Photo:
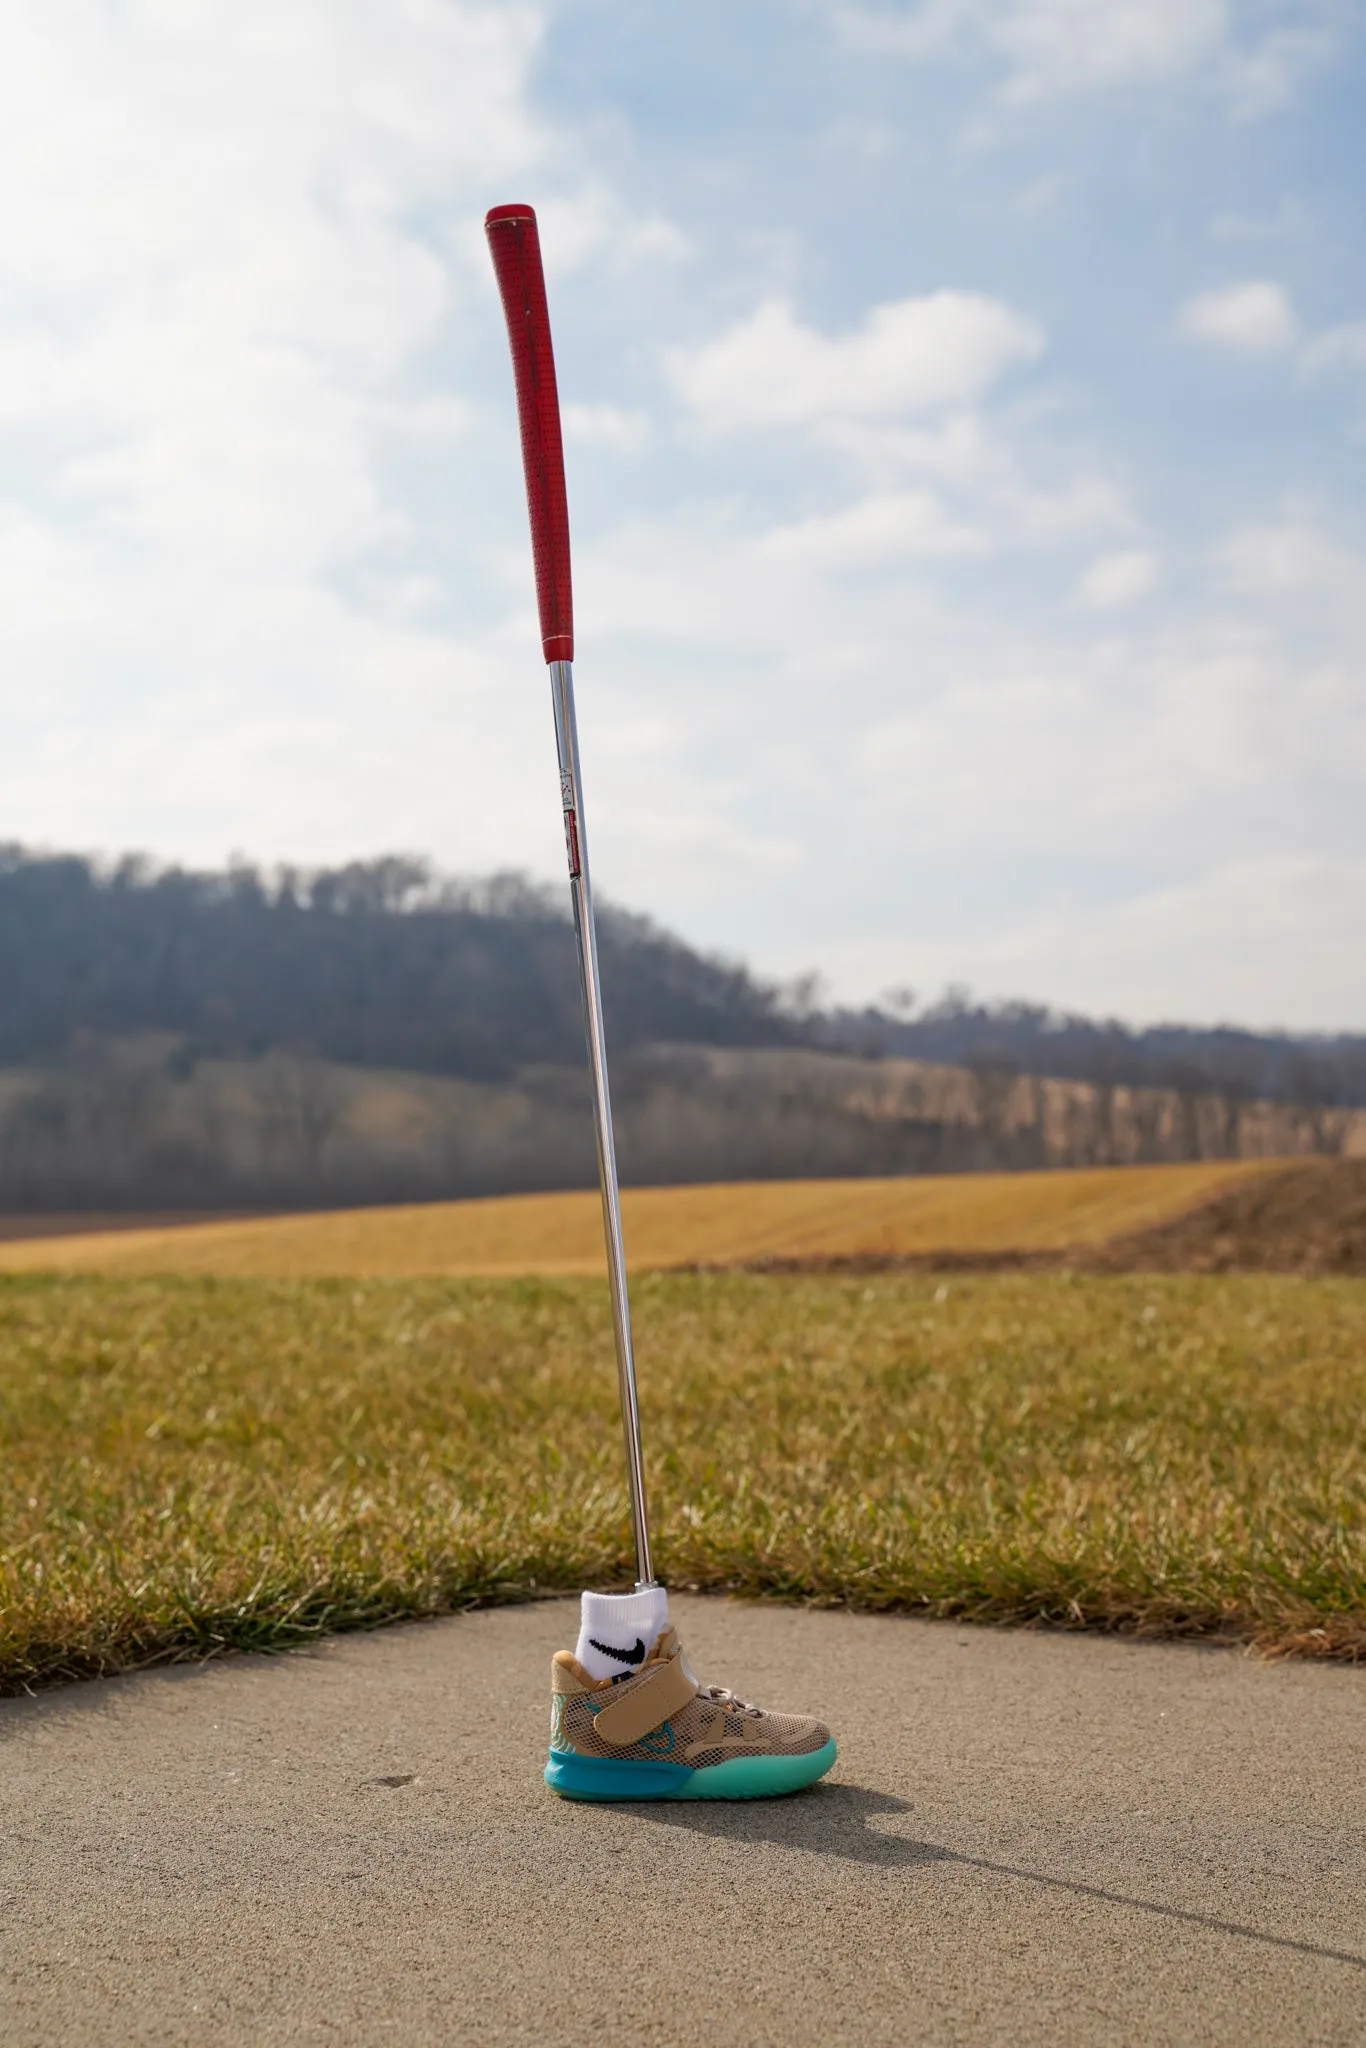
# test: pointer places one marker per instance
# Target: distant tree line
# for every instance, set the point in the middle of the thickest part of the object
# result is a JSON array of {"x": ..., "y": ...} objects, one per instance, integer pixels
[
  {"x": 1003, "y": 1039},
  {"x": 380, "y": 963}
]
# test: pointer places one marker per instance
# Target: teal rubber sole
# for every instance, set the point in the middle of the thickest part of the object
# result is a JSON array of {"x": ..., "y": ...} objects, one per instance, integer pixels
[{"x": 739, "y": 1777}]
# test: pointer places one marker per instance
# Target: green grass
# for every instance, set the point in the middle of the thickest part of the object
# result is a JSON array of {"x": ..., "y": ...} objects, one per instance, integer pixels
[{"x": 191, "y": 1466}]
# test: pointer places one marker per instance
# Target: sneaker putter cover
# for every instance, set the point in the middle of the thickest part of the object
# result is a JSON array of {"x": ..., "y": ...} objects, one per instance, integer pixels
[{"x": 657, "y": 1734}]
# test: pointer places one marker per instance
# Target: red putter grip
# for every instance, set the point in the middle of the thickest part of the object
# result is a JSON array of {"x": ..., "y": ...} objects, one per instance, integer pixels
[{"x": 516, "y": 249}]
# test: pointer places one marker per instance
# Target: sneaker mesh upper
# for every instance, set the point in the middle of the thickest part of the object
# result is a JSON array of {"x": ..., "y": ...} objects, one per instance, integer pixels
[{"x": 760, "y": 1733}]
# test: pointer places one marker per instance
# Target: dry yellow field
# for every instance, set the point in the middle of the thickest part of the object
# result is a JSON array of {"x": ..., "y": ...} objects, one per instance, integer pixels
[{"x": 562, "y": 1234}]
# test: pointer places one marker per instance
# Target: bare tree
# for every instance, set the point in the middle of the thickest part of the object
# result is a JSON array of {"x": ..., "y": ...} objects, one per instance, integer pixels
[
  {"x": 993, "y": 1085},
  {"x": 1310, "y": 1085},
  {"x": 304, "y": 1100}
]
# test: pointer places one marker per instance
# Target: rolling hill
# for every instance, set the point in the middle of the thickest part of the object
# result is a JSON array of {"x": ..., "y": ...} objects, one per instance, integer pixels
[{"x": 983, "y": 1218}]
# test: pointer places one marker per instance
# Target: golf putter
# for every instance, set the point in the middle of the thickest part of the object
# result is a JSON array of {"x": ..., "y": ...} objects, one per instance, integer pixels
[{"x": 516, "y": 249}]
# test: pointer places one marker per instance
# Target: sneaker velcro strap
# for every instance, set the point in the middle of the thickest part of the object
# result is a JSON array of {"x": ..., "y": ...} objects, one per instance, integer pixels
[{"x": 645, "y": 1704}]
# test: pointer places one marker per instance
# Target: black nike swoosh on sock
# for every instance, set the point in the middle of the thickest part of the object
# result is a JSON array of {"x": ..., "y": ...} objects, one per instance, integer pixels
[{"x": 632, "y": 1656}]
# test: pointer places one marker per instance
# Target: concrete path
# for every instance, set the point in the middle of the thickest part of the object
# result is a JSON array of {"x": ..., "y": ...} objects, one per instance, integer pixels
[{"x": 1027, "y": 1839}]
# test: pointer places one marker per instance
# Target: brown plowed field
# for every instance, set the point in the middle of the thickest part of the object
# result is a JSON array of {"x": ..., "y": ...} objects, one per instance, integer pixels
[{"x": 1305, "y": 1219}]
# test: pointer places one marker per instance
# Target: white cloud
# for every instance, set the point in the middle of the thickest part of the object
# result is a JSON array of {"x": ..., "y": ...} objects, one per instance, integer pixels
[
  {"x": 1337, "y": 348},
  {"x": 1266, "y": 75},
  {"x": 842, "y": 704},
  {"x": 1118, "y": 579},
  {"x": 589, "y": 221},
  {"x": 1255, "y": 941},
  {"x": 871, "y": 532},
  {"x": 1295, "y": 558},
  {"x": 1222, "y": 752},
  {"x": 605, "y": 426},
  {"x": 212, "y": 276},
  {"x": 1009, "y": 489},
  {"x": 1201, "y": 948},
  {"x": 1256, "y": 55},
  {"x": 222, "y": 280},
  {"x": 1057, "y": 47},
  {"x": 913, "y": 355},
  {"x": 1054, "y": 47},
  {"x": 1242, "y": 726},
  {"x": 755, "y": 588},
  {"x": 1255, "y": 318}
]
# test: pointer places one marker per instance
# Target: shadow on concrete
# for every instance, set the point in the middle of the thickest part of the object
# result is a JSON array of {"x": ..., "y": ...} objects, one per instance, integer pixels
[{"x": 843, "y": 1820}]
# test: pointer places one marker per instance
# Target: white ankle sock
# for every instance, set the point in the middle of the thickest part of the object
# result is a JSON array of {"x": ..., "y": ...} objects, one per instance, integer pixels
[{"x": 626, "y": 1624}]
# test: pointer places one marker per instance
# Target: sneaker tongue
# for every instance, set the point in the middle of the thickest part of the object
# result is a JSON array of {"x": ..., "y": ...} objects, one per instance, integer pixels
[{"x": 667, "y": 1646}]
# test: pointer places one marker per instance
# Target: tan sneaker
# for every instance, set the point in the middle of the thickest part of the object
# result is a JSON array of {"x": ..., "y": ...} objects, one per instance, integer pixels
[{"x": 657, "y": 1734}]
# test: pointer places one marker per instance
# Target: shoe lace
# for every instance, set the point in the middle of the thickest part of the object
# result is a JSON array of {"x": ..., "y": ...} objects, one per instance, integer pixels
[{"x": 722, "y": 1696}]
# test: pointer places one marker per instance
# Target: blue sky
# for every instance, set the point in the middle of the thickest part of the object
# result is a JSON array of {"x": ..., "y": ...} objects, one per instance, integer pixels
[{"x": 965, "y": 405}]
